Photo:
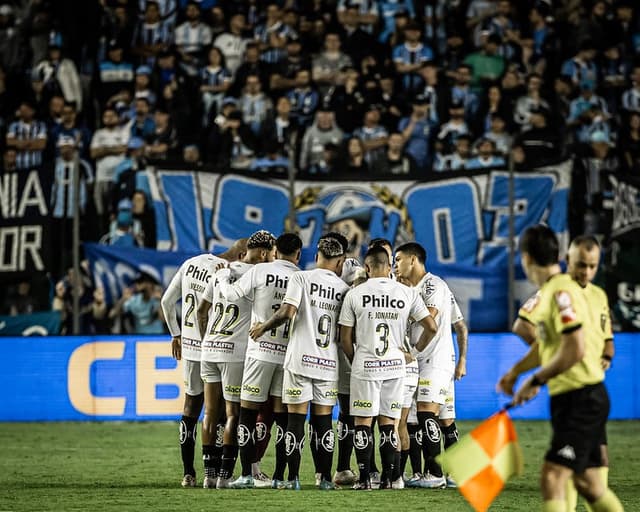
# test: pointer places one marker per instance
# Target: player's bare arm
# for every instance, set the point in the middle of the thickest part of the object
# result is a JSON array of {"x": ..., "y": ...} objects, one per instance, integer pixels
[
  {"x": 284, "y": 313},
  {"x": 203, "y": 315},
  {"x": 176, "y": 347},
  {"x": 429, "y": 330},
  {"x": 571, "y": 351},
  {"x": 462, "y": 337},
  {"x": 346, "y": 341}
]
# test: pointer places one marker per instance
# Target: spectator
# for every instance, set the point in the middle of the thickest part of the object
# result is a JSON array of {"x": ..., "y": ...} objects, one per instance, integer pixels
[
  {"x": 631, "y": 97},
  {"x": 540, "y": 144},
  {"x": 232, "y": 144},
  {"x": 63, "y": 198},
  {"x": 356, "y": 42},
  {"x": 321, "y": 132},
  {"x": 581, "y": 66},
  {"x": 630, "y": 141},
  {"x": 453, "y": 128},
  {"x": 215, "y": 80},
  {"x": 69, "y": 127},
  {"x": 191, "y": 39},
  {"x": 254, "y": 104},
  {"x": 251, "y": 65},
  {"x": 273, "y": 160},
  {"x": 348, "y": 102},
  {"x": 28, "y": 136},
  {"x": 486, "y": 157},
  {"x": 503, "y": 24},
  {"x": 328, "y": 66},
  {"x": 418, "y": 131},
  {"x": 122, "y": 236},
  {"x": 13, "y": 47},
  {"x": 373, "y": 135},
  {"x": 143, "y": 304},
  {"x": 581, "y": 110},
  {"x": 493, "y": 104},
  {"x": 233, "y": 44},
  {"x": 304, "y": 100},
  {"x": 531, "y": 101},
  {"x": 128, "y": 175},
  {"x": 19, "y": 300},
  {"x": 108, "y": 148},
  {"x": 272, "y": 25},
  {"x": 191, "y": 156},
  {"x": 388, "y": 11},
  {"x": 367, "y": 13},
  {"x": 394, "y": 162},
  {"x": 162, "y": 145},
  {"x": 59, "y": 74},
  {"x": 284, "y": 74},
  {"x": 151, "y": 35},
  {"x": 393, "y": 104},
  {"x": 487, "y": 64},
  {"x": 613, "y": 81},
  {"x": 478, "y": 12},
  {"x": 461, "y": 92},
  {"x": 280, "y": 129},
  {"x": 409, "y": 57},
  {"x": 142, "y": 86},
  {"x": 456, "y": 160},
  {"x": 142, "y": 125},
  {"x": 436, "y": 92},
  {"x": 329, "y": 163},
  {"x": 498, "y": 134},
  {"x": 9, "y": 160},
  {"x": 355, "y": 161},
  {"x": 144, "y": 220},
  {"x": 115, "y": 75}
]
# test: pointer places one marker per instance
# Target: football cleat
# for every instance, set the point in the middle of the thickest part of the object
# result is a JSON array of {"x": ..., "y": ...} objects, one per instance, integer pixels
[
  {"x": 318, "y": 479},
  {"x": 188, "y": 481},
  {"x": 261, "y": 481},
  {"x": 398, "y": 484},
  {"x": 451, "y": 483},
  {"x": 362, "y": 486},
  {"x": 244, "y": 482},
  {"x": 293, "y": 485},
  {"x": 326, "y": 485},
  {"x": 429, "y": 481},
  {"x": 223, "y": 483},
  {"x": 384, "y": 484},
  {"x": 346, "y": 477},
  {"x": 209, "y": 482},
  {"x": 413, "y": 481},
  {"x": 375, "y": 480},
  {"x": 278, "y": 484}
]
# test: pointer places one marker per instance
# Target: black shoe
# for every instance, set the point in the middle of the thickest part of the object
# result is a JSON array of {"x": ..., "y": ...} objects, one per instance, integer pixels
[
  {"x": 385, "y": 484},
  {"x": 362, "y": 486}
]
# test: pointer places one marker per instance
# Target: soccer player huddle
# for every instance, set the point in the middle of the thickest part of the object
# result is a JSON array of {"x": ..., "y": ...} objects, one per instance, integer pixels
[{"x": 264, "y": 342}]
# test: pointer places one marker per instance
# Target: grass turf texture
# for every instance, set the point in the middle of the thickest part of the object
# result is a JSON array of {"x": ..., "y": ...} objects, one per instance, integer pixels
[{"x": 136, "y": 466}]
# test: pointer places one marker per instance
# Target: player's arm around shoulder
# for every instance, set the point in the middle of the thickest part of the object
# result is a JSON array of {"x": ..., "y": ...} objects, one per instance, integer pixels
[{"x": 420, "y": 313}]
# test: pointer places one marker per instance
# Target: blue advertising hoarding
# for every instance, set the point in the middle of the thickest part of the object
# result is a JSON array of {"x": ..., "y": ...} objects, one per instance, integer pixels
[{"x": 134, "y": 378}]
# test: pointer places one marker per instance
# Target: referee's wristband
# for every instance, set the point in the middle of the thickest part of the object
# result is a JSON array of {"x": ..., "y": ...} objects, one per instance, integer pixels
[
  {"x": 607, "y": 357},
  {"x": 535, "y": 381}
]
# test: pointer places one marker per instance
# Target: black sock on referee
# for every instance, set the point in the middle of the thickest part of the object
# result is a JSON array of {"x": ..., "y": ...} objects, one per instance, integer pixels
[
  {"x": 325, "y": 443},
  {"x": 294, "y": 440},
  {"x": 450, "y": 434},
  {"x": 345, "y": 441},
  {"x": 430, "y": 441},
  {"x": 281, "y": 446},
  {"x": 415, "y": 447},
  {"x": 188, "y": 432},
  {"x": 363, "y": 445},
  {"x": 246, "y": 438},
  {"x": 388, "y": 450}
]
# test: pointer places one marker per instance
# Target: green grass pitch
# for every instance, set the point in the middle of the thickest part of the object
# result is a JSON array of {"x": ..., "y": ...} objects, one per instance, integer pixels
[{"x": 136, "y": 467}]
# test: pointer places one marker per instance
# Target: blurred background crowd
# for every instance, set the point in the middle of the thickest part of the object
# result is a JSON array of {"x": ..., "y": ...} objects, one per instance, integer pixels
[{"x": 362, "y": 88}]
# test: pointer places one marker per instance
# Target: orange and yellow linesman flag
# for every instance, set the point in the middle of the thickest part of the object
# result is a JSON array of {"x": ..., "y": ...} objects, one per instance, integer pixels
[{"x": 483, "y": 460}]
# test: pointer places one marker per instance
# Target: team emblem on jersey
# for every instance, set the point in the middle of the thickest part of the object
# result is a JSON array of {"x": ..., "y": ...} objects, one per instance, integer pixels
[
  {"x": 433, "y": 430},
  {"x": 565, "y": 306},
  {"x": 261, "y": 431},
  {"x": 243, "y": 435},
  {"x": 360, "y": 440},
  {"x": 328, "y": 441}
]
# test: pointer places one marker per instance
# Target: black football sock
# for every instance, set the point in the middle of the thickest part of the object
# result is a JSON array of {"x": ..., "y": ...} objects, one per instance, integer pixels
[
  {"x": 372, "y": 463},
  {"x": 216, "y": 455},
  {"x": 325, "y": 439},
  {"x": 210, "y": 460},
  {"x": 397, "y": 469},
  {"x": 313, "y": 443},
  {"x": 388, "y": 449},
  {"x": 281, "y": 446},
  {"x": 229, "y": 456},
  {"x": 363, "y": 446},
  {"x": 345, "y": 441},
  {"x": 188, "y": 433},
  {"x": 246, "y": 438},
  {"x": 404, "y": 456},
  {"x": 294, "y": 442},
  {"x": 450, "y": 434},
  {"x": 430, "y": 441},
  {"x": 415, "y": 447}
]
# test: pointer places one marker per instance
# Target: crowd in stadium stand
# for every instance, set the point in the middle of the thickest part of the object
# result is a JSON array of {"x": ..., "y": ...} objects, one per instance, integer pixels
[{"x": 367, "y": 88}]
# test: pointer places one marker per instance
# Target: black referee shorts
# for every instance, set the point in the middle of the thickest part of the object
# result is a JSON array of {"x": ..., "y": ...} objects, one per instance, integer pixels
[{"x": 578, "y": 419}]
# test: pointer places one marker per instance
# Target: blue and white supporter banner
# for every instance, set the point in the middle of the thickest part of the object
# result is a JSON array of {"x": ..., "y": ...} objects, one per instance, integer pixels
[{"x": 45, "y": 323}]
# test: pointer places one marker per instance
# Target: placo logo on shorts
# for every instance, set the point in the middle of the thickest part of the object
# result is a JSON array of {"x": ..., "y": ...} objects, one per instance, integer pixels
[
  {"x": 362, "y": 404},
  {"x": 396, "y": 406},
  {"x": 293, "y": 391},
  {"x": 232, "y": 390},
  {"x": 332, "y": 393},
  {"x": 252, "y": 390},
  {"x": 424, "y": 382}
]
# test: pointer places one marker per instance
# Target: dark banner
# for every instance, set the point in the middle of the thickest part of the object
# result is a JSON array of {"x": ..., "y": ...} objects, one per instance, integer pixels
[
  {"x": 25, "y": 236},
  {"x": 46, "y": 323},
  {"x": 622, "y": 270}
]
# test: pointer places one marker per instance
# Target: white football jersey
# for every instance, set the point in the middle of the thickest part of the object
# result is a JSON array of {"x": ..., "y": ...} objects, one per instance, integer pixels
[
  {"x": 313, "y": 344},
  {"x": 440, "y": 352},
  {"x": 228, "y": 326},
  {"x": 189, "y": 284},
  {"x": 380, "y": 309},
  {"x": 264, "y": 285}
]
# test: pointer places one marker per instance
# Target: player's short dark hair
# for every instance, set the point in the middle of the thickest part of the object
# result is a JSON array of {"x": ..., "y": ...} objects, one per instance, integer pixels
[
  {"x": 377, "y": 257},
  {"x": 380, "y": 242},
  {"x": 330, "y": 247},
  {"x": 414, "y": 249},
  {"x": 288, "y": 244},
  {"x": 339, "y": 237},
  {"x": 261, "y": 240},
  {"x": 541, "y": 243},
  {"x": 586, "y": 241}
]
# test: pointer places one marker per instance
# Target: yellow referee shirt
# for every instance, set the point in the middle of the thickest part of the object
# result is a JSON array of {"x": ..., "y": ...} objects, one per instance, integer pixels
[{"x": 559, "y": 307}]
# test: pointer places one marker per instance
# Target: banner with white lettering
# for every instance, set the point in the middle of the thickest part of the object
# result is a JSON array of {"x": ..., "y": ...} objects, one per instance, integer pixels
[
  {"x": 24, "y": 223},
  {"x": 45, "y": 323},
  {"x": 622, "y": 272}
]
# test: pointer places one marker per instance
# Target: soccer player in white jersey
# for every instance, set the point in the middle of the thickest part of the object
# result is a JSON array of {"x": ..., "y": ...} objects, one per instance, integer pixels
[
  {"x": 312, "y": 303},
  {"x": 188, "y": 284},
  {"x": 264, "y": 285},
  {"x": 225, "y": 327},
  {"x": 374, "y": 317},
  {"x": 437, "y": 363}
]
